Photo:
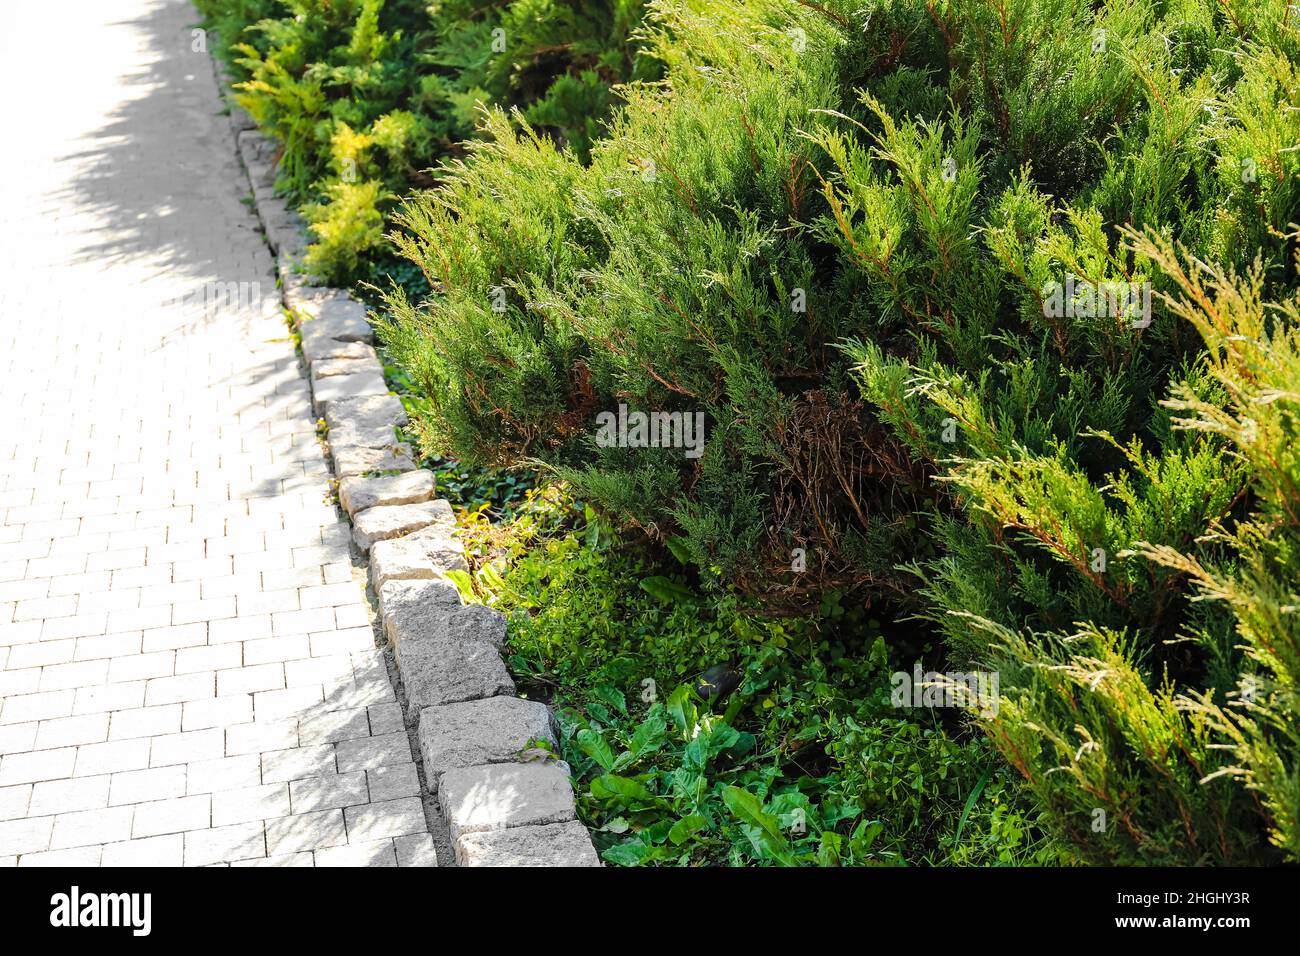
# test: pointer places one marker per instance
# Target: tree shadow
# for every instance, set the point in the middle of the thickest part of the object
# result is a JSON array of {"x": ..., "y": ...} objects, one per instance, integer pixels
[{"x": 160, "y": 181}]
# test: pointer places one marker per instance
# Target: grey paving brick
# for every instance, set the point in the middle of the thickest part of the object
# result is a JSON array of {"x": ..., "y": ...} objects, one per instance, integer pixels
[{"x": 181, "y": 634}]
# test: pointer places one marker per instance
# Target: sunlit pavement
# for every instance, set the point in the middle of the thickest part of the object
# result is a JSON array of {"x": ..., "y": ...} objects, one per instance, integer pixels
[{"x": 188, "y": 671}]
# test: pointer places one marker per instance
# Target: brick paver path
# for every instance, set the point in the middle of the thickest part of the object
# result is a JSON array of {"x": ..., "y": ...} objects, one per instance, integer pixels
[{"x": 188, "y": 671}]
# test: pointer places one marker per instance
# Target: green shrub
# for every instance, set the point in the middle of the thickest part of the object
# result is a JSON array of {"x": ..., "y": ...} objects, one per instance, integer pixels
[
  {"x": 1253, "y": 353},
  {"x": 1066, "y": 475},
  {"x": 555, "y": 60},
  {"x": 228, "y": 19},
  {"x": 663, "y": 276},
  {"x": 365, "y": 95},
  {"x": 345, "y": 225},
  {"x": 931, "y": 425},
  {"x": 668, "y": 275}
]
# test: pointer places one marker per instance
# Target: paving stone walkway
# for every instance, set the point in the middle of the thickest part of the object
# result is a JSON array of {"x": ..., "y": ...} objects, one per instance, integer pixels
[{"x": 188, "y": 669}]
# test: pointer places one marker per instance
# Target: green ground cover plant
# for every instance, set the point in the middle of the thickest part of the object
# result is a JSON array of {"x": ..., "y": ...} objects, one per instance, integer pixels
[{"x": 700, "y": 734}]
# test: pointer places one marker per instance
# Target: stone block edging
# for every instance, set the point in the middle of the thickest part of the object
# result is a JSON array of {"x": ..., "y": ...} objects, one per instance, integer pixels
[{"x": 480, "y": 744}]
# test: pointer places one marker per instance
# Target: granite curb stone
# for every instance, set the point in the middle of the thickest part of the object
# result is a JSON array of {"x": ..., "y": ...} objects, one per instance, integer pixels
[
  {"x": 554, "y": 844},
  {"x": 500, "y": 796},
  {"x": 475, "y": 732},
  {"x": 423, "y": 554},
  {"x": 391, "y": 521},
  {"x": 351, "y": 461},
  {"x": 448, "y": 671},
  {"x": 358, "y": 494}
]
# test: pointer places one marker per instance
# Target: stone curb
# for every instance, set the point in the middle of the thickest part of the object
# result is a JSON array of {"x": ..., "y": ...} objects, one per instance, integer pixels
[{"x": 478, "y": 741}]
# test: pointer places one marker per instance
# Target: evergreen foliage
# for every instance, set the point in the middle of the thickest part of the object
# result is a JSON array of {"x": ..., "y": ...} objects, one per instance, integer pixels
[
  {"x": 366, "y": 95},
  {"x": 1253, "y": 352},
  {"x": 842, "y": 233}
]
